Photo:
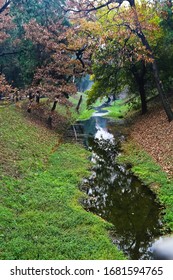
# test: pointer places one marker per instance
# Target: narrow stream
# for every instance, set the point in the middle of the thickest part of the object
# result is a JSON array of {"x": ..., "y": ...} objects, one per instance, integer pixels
[{"x": 114, "y": 193}]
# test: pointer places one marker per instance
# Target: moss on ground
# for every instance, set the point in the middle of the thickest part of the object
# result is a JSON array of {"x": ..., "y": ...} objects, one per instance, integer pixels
[
  {"x": 146, "y": 169},
  {"x": 41, "y": 217}
]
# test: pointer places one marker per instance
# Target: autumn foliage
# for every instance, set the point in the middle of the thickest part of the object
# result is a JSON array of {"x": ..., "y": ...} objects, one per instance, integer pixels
[
  {"x": 60, "y": 43},
  {"x": 5, "y": 88}
]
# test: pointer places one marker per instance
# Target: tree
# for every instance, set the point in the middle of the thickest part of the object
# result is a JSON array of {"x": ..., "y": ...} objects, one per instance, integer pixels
[
  {"x": 19, "y": 60},
  {"x": 119, "y": 57},
  {"x": 43, "y": 11},
  {"x": 57, "y": 71},
  {"x": 85, "y": 7},
  {"x": 62, "y": 62},
  {"x": 6, "y": 26},
  {"x": 5, "y": 88},
  {"x": 47, "y": 59}
]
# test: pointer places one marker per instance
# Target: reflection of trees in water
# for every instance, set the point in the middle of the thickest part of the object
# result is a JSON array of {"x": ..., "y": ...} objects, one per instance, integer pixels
[
  {"x": 90, "y": 127},
  {"x": 117, "y": 196}
]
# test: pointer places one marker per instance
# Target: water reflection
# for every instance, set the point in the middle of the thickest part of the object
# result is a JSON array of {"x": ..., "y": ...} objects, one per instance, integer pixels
[
  {"x": 162, "y": 248},
  {"x": 117, "y": 196}
]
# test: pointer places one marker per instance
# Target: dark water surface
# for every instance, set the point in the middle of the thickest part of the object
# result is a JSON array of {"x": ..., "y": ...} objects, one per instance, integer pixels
[{"x": 115, "y": 194}]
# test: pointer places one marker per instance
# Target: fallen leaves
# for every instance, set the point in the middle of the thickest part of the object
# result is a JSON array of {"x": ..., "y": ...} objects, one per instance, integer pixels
[{"x": 155, "y": 134}]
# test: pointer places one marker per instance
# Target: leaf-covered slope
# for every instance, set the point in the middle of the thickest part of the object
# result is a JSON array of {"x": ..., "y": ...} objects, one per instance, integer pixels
[{"x": 155, "y": 134}]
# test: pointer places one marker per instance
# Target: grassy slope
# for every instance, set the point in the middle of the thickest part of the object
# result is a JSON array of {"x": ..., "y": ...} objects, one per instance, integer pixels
[
  {"x": 84, "y": 113},
  {"x": 143, "y": 165},
  {"x": 41, "y": 217},
  {"x": 146, "y": 169},
  {"x": 118, "y": 109}
]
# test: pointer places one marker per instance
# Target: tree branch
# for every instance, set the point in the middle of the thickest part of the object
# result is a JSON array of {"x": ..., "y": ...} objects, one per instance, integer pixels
[
  {"x": 7, "y": 3},
  {"x": 95, "y": 8},
  {"x": 79, "y": 54},
  {"x": 11, "y": 53}
]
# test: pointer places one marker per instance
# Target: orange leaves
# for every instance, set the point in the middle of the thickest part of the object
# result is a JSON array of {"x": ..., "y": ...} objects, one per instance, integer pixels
[
  {"x": 5, "y": 88},
  {"x": 6, "y": 24},
  {"x": 155, "y": 134},
  {"x": 141, "y": 53},
  {"x": 55, "y": 77},
  {"x": 36, "y": 33},
  {"x": 88, "y": 27}
]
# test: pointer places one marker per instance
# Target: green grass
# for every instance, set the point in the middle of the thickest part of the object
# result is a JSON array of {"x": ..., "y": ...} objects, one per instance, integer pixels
[
  {"x": 71, "y": 113},
  {"x": 41, "y": 217},
  {"x": 145, "y": 168},
  {"x": 84, "y": 112},
  {"x": 118, "y": 109}
]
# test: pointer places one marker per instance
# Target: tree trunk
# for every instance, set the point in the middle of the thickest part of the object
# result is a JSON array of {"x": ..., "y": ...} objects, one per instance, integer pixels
[
  {"x": 138, "y": 31},
  {"x": 37, "y": 98},
  {"x": 160, "y": 89},
  {"x": 79, "y": 103},
  {"x": 139, "y": 75},
  {"x": 49, "y": 121},
  {"x": 29, "y": 107},
  {"x": 143, "y": 98},
  {"x": 54, "y": 106},
  {"x": 162, "y": 93}
]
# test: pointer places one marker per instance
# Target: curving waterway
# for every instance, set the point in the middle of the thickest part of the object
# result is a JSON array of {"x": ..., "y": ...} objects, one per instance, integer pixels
[{"x": 114, "y": 193}]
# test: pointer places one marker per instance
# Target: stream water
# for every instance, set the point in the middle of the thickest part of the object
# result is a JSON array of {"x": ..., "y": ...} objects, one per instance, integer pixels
[{"x": 114, "y": 193}]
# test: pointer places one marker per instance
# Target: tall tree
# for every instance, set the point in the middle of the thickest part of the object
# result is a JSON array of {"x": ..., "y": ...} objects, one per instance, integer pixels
[
  {"x": 19, "y": 61},
  {"x": 85, "y": 7},
  {"x": 6, "y": 26}
]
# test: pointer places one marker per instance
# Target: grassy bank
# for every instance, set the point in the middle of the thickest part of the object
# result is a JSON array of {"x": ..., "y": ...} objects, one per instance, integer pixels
[
  {"x": 84, "y": 112},
  {"x": 145, "y": 168},
  {"x": 148, "y": 133},
  {"x": 118, "y": 109},
  {"x": 41, "y": 217}
]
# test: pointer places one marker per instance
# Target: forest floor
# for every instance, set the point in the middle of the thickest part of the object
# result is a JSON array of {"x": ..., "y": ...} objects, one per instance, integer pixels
[{"x": 154, "y": 133}]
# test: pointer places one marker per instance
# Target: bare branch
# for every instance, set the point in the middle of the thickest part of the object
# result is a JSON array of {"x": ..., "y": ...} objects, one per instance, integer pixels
[{"x": 91, "y": 7}]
